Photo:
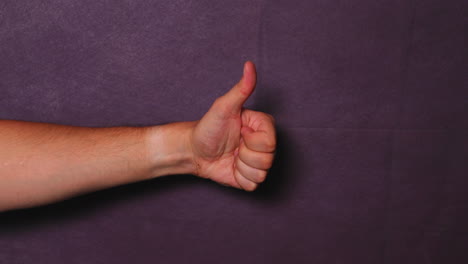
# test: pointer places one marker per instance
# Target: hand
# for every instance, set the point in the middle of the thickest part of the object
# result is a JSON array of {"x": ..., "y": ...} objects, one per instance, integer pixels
[{"x": 232, "y": 145}]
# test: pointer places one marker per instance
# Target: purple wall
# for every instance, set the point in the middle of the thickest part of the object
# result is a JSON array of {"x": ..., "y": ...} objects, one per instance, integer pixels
[{"x": 370, "y": 97}]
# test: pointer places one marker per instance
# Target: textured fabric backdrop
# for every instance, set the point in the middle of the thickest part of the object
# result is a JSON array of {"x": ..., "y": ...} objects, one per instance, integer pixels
[{"x": 371, "y": 102}]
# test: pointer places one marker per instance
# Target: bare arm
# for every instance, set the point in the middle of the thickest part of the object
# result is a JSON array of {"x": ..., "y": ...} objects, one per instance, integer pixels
[{"x": 42, "y": 163}]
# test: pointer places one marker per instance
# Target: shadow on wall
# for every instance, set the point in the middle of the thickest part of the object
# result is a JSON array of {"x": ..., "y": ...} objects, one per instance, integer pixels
[
  {"x": 278, "y": 186},
  {"x": 281, "y": 177},
  {"x": 22, "y": 220}
]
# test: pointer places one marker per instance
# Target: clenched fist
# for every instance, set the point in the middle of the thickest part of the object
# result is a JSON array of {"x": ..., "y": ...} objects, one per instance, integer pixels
[{"x": 232, "y": 145}]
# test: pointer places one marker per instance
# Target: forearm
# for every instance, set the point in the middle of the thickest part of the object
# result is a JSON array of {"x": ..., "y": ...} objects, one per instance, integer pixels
[{"x": 42, "y": 163}]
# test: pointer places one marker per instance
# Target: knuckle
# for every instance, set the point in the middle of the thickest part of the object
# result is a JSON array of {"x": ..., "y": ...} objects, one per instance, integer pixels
[
  {"x": 269, "y": 117},
  {"x": 261, "y": 176},
  {"x": 272, "y": 119},
  {"x": 266, "y": 162},
  {"x": 270, "y": 144},
  {"x": 251, "y": 187}
]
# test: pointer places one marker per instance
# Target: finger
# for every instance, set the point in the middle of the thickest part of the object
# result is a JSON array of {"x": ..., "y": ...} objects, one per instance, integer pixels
[
  {"x": 244, "y": 183},
  {"x": 258, "y": 160},
  {"x": 235, "y": 98},
  {"x": 260, "y": 141},
  {"x": 258, "y": 120},
  {"x": 250, "y": 173}
]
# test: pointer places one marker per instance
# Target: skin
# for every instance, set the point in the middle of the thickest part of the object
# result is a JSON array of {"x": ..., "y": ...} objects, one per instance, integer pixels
[{"x": 43, "y": 163}]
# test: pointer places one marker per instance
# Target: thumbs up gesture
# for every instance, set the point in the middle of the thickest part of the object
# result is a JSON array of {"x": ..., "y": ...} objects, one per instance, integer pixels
[{"x": 232, "y": 145}]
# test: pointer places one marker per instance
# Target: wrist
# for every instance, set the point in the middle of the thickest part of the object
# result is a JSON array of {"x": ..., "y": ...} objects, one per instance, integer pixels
[{"x": 170, "y": 149}]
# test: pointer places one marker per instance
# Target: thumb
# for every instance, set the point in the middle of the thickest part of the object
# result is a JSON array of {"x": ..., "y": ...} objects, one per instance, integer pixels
[{"x": 236, "y": 97}]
